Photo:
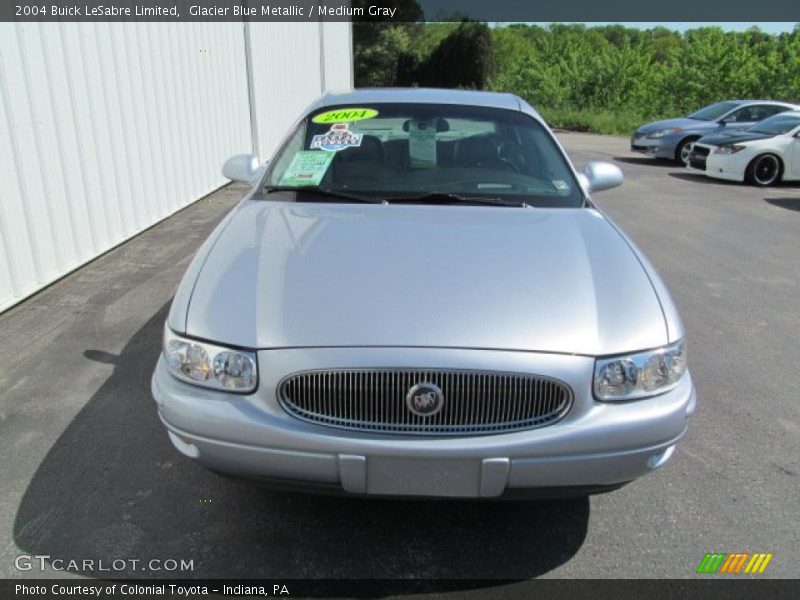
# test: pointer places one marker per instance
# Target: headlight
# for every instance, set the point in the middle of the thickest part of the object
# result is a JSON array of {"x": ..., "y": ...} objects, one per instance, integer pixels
[
  {"x": 729, "y": 149},
  {"x": 639, "y": 375},
  {"x": 210, "y": 365},
  {"x": 662, "y": 132}
]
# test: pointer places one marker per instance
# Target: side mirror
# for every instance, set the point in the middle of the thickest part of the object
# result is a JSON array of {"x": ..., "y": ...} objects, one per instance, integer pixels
[
  {"x": 602, "y": 176},
  {"x": 242, "y": 168}
]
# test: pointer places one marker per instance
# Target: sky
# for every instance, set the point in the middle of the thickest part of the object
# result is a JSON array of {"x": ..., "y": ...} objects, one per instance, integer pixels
[{"x": 770, "y": 27}]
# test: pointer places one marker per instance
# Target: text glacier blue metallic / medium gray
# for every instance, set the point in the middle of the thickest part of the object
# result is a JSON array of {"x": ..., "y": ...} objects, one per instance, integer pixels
[{"x": 434, "y": 308}]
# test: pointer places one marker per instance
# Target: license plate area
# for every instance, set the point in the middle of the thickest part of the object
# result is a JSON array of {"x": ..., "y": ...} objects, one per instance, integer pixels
[{"x": 423, "y": 476}]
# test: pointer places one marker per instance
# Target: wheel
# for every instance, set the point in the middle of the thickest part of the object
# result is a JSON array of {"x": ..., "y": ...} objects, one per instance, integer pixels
[
  {"x": 764, "y": 170},
  {"x": 683, "y": 150}
]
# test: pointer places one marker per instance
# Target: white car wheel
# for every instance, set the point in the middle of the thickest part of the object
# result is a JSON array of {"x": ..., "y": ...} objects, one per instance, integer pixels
[{"x": 764, "y": 170}]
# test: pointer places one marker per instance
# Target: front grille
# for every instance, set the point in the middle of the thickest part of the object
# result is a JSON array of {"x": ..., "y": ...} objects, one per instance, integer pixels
[
  {"x": 697, "y": 163},
  {"x": 697, "y": 157},
  {"x": 471, "y": 401}
]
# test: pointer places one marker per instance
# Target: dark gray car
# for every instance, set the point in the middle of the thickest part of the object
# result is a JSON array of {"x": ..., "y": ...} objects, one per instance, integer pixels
[{"x": 672, "y": 138}]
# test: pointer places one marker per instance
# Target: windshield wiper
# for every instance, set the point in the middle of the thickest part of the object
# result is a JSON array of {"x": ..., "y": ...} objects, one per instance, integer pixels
[
  {"x": 432, "y": 197},
  {"x": 320, "y": 191},
  {"x": 447, "y": 197}
]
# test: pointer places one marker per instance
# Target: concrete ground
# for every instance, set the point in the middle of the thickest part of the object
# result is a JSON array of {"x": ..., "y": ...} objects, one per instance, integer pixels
[{"x": 88, "y": 473}]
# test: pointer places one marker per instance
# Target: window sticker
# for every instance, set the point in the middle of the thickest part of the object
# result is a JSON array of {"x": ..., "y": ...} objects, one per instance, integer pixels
[
  {"x": 345, "y": 115},
  {"x": 337, "y": 138},
  {"x": 561, "y": 185},
  {"x": 422, "y": 144},
  {"x": 308, "y": 167}
]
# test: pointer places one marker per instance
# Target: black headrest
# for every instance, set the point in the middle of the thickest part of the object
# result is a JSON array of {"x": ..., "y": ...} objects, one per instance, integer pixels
[{"x": 370, "y": 150}]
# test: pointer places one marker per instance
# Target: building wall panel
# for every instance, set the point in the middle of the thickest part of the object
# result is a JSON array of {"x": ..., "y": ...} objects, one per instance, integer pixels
[
  {"x": 292, "y": 64},
  {"x": 338, "y": 55},
  {"x": 107, "y": 128}
]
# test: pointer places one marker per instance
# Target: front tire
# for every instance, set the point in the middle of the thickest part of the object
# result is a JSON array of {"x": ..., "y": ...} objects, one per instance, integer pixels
[
  {"x": 683, "y": 150},
  {"x": 764, "y": 170}
]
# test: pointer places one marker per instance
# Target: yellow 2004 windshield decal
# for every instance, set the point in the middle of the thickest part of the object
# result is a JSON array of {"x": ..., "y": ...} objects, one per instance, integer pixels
[{"x": 345, "y": 115}]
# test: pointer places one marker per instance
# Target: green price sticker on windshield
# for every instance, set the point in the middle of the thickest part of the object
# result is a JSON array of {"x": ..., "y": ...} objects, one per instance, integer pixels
[{"x": 345, "y": 115}]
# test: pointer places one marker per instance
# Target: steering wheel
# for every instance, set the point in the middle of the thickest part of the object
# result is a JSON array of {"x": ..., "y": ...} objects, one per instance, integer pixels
[
  {"x": 503, "y": 159},
  {"x": 491, "y": 163}
]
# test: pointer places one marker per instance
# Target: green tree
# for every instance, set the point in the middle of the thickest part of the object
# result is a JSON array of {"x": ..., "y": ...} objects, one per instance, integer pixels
[
  {"x": 606, "y": 79},
  {"x": 377, "y": 45}
]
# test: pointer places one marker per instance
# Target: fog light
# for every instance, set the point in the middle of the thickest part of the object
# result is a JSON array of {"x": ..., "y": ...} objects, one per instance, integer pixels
[
  {"x": 658, "y": 460},
  {"x": 184, "y": 446}
]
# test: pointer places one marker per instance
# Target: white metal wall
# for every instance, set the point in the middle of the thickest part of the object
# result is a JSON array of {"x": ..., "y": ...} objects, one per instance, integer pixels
[
  {"x": 287, "y": 75},
  {"x": 107, "y": 128},
  {"x": 338, "y": 55}
]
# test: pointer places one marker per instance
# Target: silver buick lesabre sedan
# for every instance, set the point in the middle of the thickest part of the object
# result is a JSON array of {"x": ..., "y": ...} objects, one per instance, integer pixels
[{"x": 419, "y": 298}]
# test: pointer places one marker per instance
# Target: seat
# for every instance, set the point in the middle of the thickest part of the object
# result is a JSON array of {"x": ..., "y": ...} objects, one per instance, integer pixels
[
  {"x": 366, "y": 160},
  {"x": 474, "y": 151},
  {"x": 744, "y": 116}
]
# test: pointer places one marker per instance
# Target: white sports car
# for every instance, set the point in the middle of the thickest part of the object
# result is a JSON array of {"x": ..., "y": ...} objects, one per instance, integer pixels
[{"x": 764, "y": 154}]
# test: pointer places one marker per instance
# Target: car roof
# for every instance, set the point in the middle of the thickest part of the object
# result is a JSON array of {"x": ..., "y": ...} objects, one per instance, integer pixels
[
  {"x": 425, "y": 96},
  {"x": 748, "y": 102}
]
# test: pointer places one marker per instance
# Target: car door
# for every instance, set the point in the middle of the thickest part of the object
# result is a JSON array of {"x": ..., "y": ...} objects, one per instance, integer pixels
[{"x": 794, "y": 155}]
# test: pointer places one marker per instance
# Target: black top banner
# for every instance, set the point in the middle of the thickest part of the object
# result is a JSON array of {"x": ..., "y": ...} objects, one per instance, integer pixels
[{"x": 399, "y": 10}]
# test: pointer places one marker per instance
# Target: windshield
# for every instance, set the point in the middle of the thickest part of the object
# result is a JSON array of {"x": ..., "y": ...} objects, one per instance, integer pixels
[
  {"x": 714, "y": 111},
  {"x": 777, "y": 125},
  {"x": 425, "y": 151}
]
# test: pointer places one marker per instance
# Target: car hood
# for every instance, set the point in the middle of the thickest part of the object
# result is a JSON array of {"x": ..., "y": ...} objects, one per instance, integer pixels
[
  {"x": 733, "y": 138},
  {"x": 682, "y": 122},
  {"x": 285, "y": 274}
]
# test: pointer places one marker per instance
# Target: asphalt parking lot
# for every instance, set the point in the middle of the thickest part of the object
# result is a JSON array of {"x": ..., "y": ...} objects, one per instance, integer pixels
[{"x": 88, "y": 471}]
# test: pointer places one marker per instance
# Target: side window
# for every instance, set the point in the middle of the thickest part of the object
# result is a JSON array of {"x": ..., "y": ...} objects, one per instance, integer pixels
[
  {"x": 760, "y": 111},
  {"x": 743, "y": 115},
  {"x": 771, "y": 109},
  {"x": 756, "y": 112}
]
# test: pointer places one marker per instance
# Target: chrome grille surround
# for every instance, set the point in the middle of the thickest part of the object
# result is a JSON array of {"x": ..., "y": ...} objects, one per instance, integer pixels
[{"x": 475, "y": 402}]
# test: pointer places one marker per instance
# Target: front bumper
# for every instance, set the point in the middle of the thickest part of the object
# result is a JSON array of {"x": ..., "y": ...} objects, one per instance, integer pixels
[
  {"x": 596, "y": 446},
  {"x": 724, "y": 166},
  {"x": 657, "y": 147}
]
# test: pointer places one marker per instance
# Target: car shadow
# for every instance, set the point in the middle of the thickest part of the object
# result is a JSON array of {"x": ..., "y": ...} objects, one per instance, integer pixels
[
  {"x": 700, "y": 178},
  {"x": 113, "y": 487},
  {"x": 789, "y": 203},
  {"x": 647, "y": 161}
]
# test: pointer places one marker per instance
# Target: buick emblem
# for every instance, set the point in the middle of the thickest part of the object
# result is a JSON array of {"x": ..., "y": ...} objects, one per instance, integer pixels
[{"x": 425, "y": 399}]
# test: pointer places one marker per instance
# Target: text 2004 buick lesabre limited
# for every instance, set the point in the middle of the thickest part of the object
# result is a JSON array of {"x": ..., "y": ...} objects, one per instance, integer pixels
[{"x": 419, "y": 298}]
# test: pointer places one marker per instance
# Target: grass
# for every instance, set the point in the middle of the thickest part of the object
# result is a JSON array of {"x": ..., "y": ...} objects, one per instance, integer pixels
[{"x": 592, "y": 121}]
